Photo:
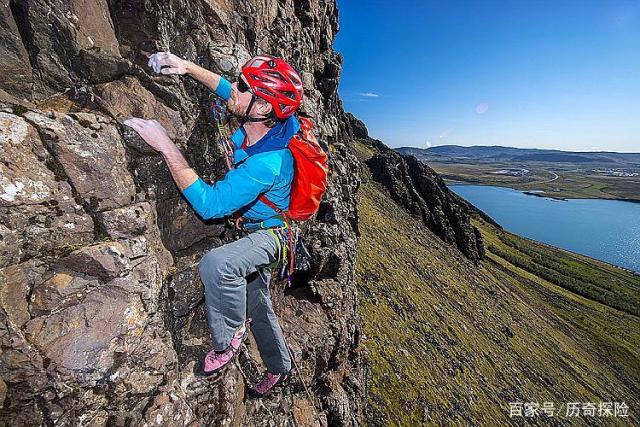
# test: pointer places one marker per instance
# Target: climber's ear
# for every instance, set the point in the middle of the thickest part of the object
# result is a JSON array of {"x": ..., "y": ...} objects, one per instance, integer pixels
[{"x": 263, "y": 108}]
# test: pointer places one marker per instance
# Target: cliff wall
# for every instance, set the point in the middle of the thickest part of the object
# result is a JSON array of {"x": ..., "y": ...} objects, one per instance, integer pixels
[
  {"x": 102, "y": 318},
  {"x": 101, "y": 309}
]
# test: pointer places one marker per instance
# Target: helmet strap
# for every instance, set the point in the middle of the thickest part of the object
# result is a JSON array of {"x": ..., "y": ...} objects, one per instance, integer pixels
[
  {"x": 248, "y": 110},
  {"x": 247, "y": 118}
]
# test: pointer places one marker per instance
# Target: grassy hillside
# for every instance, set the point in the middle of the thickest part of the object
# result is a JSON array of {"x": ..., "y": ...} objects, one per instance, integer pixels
[
  {"x": 591, "y": 278},
  {"x": 453, "y": 343}
]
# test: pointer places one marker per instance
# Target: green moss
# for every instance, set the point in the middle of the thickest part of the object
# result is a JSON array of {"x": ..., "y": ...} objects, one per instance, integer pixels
[
  {"x": 596, "y": 280},
  {"x": 58, "y": 170},
  {"x": 66, "y": 250},
  {"x": 19, "y": 110}
]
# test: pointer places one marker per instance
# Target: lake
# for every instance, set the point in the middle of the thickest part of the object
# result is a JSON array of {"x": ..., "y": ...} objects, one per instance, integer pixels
[{"x": 608, "y": 230}]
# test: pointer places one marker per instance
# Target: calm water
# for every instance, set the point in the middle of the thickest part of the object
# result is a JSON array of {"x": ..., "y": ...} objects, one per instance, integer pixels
[{"x": 608, "y": 230}]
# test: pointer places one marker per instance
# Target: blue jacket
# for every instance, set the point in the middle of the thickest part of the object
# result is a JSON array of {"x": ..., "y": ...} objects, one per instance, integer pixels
[{"x": 266, "y": 167}]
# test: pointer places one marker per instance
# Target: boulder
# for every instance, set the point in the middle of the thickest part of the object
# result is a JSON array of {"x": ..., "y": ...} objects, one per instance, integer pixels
[
  {"x": 128, "y": 98},
  {"x": 16, "y": 75},
  {"x": 39, "y": 212}
]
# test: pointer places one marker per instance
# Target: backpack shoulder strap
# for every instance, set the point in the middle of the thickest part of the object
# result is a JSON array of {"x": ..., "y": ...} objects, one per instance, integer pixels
[{"x": 264, "y": 199}]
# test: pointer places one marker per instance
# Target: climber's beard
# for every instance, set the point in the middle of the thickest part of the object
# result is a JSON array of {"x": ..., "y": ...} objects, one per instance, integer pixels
[{"x": 233, "y": 107}]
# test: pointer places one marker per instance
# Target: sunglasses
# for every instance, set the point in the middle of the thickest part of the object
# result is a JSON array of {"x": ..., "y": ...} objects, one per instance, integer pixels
[{"x": 242, "y": 85}]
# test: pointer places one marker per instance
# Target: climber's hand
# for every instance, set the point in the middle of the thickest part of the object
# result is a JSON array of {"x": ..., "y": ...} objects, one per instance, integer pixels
[
  {"x": 172, "y": 64},
  {"x": 152, "y": 132}
]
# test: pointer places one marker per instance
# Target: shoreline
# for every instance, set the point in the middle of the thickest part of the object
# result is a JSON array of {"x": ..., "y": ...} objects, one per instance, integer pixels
[
  {"x": 574, "y": 253},
  {"x": 542, "y": 195}
]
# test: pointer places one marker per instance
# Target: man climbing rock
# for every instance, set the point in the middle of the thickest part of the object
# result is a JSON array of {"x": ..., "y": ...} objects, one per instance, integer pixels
[{"x": 236, "y": 275}]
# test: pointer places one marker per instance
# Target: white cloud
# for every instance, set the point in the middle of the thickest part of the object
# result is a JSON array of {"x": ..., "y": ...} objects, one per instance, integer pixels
[{"x": 369, "y": 94}]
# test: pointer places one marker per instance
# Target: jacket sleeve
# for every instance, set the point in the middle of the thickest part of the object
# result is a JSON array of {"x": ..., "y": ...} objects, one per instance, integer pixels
[
  {"x": 223, "y": 90},
  {"x": 240, "y": 187}
]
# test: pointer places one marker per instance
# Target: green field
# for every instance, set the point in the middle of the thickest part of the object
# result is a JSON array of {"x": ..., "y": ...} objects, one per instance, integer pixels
[
  {"x": 573, "y": 181},
  {"x": 596, "y": 280}
]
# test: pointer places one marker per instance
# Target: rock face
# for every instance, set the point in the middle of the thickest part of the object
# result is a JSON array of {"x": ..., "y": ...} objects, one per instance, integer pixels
[
  {"x": 418, "y": 188},
  {"x": 101, "y": 309}
]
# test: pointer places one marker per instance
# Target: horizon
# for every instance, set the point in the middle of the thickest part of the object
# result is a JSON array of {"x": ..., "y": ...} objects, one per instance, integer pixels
[
  {"x": 524, "y": 75},
  {"x": 522, "y": 148}
]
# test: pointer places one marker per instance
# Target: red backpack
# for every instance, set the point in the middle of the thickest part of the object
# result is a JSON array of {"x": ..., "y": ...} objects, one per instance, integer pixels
[{"x": 309, "y": 177}]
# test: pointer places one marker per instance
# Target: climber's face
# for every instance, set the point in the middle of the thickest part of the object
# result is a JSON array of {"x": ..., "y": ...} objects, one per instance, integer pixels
[
  {"x": 238, "y": 101},
  {"x": 241, "y": 98}
]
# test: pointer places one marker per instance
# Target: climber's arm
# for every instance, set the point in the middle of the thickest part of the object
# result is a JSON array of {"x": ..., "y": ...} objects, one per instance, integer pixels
[
  {"x": 180, "y": 170},
  {"x": 240, "y": 187},
  {"x": 156, "y": 136},
  {"x": 168, "y": 63},
  {"x": 210, "y": 79}
]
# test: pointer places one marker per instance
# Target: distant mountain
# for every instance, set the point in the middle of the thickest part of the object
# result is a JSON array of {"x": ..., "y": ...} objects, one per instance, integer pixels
[
  {"x": 479, "y": 153},
  {"x": 557, "y": 157}
]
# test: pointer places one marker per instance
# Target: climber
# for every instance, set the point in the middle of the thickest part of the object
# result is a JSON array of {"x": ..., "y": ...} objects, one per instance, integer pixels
[{"x": 236, "y": 275}]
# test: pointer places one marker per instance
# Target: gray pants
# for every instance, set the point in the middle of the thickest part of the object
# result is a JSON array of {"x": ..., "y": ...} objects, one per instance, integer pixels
[{"x": 230, "y": 298}]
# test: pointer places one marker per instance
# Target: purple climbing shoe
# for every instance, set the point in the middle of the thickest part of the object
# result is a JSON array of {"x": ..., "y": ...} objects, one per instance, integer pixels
[
  {"x": 214, "y": 361},
  {"x": 267, "y": 384}
]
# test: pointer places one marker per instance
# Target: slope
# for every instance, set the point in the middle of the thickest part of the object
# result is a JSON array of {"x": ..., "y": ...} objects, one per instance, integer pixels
[{"x": 454, "y": 343}]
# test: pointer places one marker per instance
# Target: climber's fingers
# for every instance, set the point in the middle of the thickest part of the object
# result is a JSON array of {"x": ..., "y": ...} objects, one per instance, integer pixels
[
  {"x": 172, "y": 63},
  {"x": 144, "y": 126},
  {"x": 166, "y": 58},
  {"x": 152, "y": 132},
  {"x": 135, "y": 124},
  {"x": 170, "y": 70},
  {"x": 154, "y": 62}
]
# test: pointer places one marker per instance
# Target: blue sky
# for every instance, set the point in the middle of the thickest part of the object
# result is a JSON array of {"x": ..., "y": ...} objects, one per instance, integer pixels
[{"x": 540, "y": 74}]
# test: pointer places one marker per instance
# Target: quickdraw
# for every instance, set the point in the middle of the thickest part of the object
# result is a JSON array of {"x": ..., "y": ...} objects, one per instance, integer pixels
[
  {"x": 293, "y": 253},
  {"x": 220, "y": 118}
]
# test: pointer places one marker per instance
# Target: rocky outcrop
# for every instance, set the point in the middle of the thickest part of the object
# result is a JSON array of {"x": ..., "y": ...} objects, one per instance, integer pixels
[
  {"x": 418, "y": 188},
  {"x": 101, "y": 311},
  {"x": 357, "y": 127}
]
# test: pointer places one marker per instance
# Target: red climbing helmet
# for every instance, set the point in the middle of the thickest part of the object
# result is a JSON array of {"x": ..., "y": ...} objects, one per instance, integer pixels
[{"x": 275, "y": 81}]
